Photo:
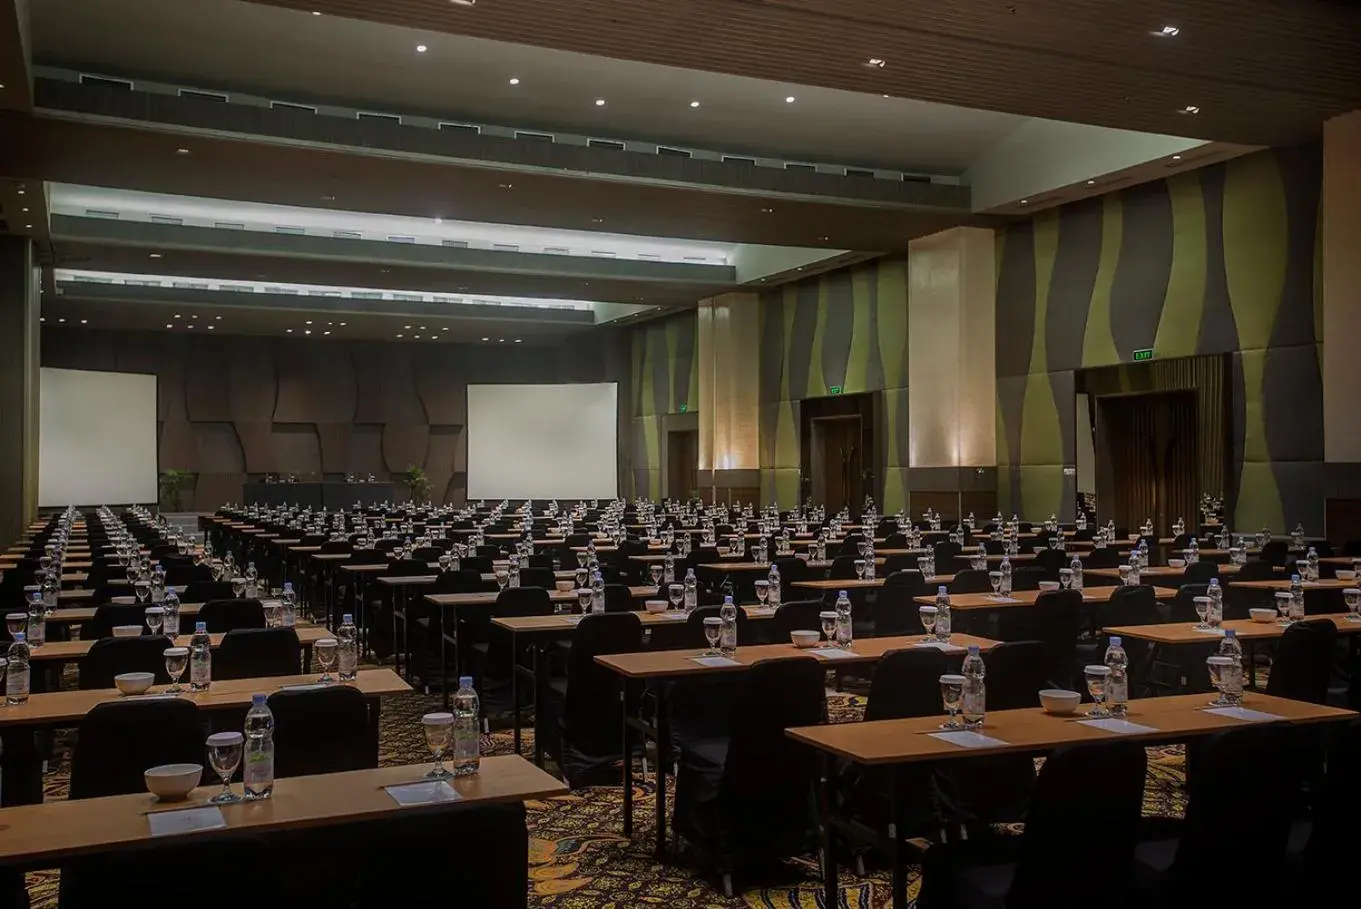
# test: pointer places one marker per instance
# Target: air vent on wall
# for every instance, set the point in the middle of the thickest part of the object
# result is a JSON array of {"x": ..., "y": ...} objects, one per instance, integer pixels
[
  {"x": 101, "y": 213},
  {"x": 167, "y": 219},
  {"x": 605, "y": 143},
  {"x": 400, "y": 238},
  {"x": 454, "y": 244},
  {"x": 229, "y": 225},
  {"x": 106, "y": 82},
  {"x": 673, "y": 152},
  {"x": 288, "y": 229},
  {"x": 387, "y": 118},
  {"x": 536, "y": 137},
  {"x": 857, "y": 172},
  {"x": 807, "y": 168},
  {"x": 347, "y": 235},
  {"x": 738, "y": 159},
  {"x": 461, "y": 128},
  {"x": 284, "y": 105}
]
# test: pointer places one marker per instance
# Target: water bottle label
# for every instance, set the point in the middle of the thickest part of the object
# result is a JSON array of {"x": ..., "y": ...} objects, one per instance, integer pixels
[
  {"x": 1117, "y": 690},
  {"x": 259, "y": 772},
  {"x": 973, "y": 703},
  {"x": 348, "y": 660}
]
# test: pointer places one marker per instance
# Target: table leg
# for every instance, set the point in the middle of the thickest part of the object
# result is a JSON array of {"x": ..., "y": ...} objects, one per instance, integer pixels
[
  {"x": 515, "y": 689},
  {"x": 663, "y": 728},
  {"x": 396, "y": 647},
  {"x": 443, "y": 656},
  {"x": 1250, "y": 655},
  {"x": 306, "y": 659},
  {"x": 628, "y": 764},
  {"x": 830, "y": 885},
  {"x": 540, "y": 684},
  {"x": 898, "y": 846},
  {"x": 375, "y": 720}
]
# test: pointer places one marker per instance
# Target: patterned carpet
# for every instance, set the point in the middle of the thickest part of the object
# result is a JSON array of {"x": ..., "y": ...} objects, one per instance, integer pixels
[{"x": 580, "y": 860}]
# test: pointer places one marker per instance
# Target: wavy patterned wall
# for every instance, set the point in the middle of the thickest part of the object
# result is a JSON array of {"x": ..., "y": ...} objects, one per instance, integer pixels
[
  {"x": 231, "y": 406},
  {"x": 1218, "y": 260},
  {"x": 664, "y": 374},
  {"x": 847, "y": 328}
]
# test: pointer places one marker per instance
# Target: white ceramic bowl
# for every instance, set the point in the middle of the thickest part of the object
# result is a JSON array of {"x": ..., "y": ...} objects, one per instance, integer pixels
[
  {"x": 127, "y": 631},
  {"x": 1049, "y": 585},
  {"x": 134, "y": 682},
  {"x": 1262, "y": 615},
  {"x": 655, "y": 605},
  {"x": 1345, "y": 574},
  {"x": 565, "y": 586},
  {"x": 804, "y": 639},
  {"x": 1059, "y": 702},
  {"x": 172, "y": 782},
  {"x": 1176, "y": 563}
]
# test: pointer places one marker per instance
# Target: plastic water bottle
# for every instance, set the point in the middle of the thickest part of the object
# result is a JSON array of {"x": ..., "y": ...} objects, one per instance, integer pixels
[
  {"x": 1296, "y": 599},
  {"x": 259, "y": 751},
  {"x": 974, "y": 700},
  {"x": 1075, "y": 569},
  {"x": 467, "y": 728},
  {"x": 845, "y": 632},
  {"x": 691, "y": 591},
  {"x": 1005, "y": 589},
  {"x": 597, "y": 592},
  {"x": 1192, "y": 552},
  {"x": 773, "y": 579},
  {"x": 1214, "y": 616},
  {"x": 869, "y": 560},
  {"x": 289, "y": 601},
  {"x": 513, "y": 574},
  {"x": 727, "y": 639},
  {"x": 347, "y": 647},
  {"x": 50, "y": 588},
  {"x": 252, "y": 581},
  {"x": 171, "y": 605},
  {"x": 669, "y": 569},
  {"x": 200, "y": 658},
  {"x": 1297, "y": 537},
  {"x": 1311, "y": 561},
  {"x": 1117, "y": 684},
  {"x": 16, "y": 675},
  {"x": 37, "y": 621},
  {"x": 1232, "y": 678},
  {"x": 942, "y": 628}
]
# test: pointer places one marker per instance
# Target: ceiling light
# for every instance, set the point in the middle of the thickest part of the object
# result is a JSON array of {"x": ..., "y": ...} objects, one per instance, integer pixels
[
  {"x": 1025, "y": 201},
  {"x": 219, "y": 318},
  {"x": 316, "y": 12},
  {"x": 421, "y": 48},
  {"x": 407, "y": 327},
  {"x": 422, "y": 328},
  {"x": 44, "y": 319},
  {"x": 1168, "y": 31},
  {"x": 463, "y": 2},
  {"x": 153, "y": 255},
  {"x": 328, "y": 198},
  {"x": 445, "y": 328},
  {"x": 193, "y": 317},
  {"x": 181, "y": 151},
  {"x": 517, "y": 340},
  {"x": 61, "y": 320},
  {"x": 342, "y": 324},
  {"x": 28, "y": 227},
  {"x": 767, "y": 211},
  {"x": 84, "y": 321},
  {"x": 25, "y": 211},
  {"x": 288, "y": 331},
  {"x": 326, "y": 332},
  {"x": 168, "y": 325},
  {"x": 177, "y": 315},
  {"x": 211, "y": 327},
  {"x": 399, "y": 336},
  {"x": 498, "y": 340},
  {"x": 1176, "y": 157},
  {"x": 514, "y": 81},
  {"x": 1190, "y": 109},
  {"x": 1091, "y": 182},
  {"x": 887, "y": 96},
  {"x": 876, "y": 62},
  {"x": 189, "y": 326},
  {"x": 599, "y": 102},
  {"x": 418, "y": 337},
  {"x": 505, "y": 185},
  {"x": 597, "y": 220},
  {"x": 439, "y": 220},
  {"x": 789, "y": 99},
  {"x": 21, "y": 190},
  {"x": 306, "y": 331},
  {"x": 308, "y": 322},
  {"x": 823, "y": 239},
  {"x": 694, "y": 104}
]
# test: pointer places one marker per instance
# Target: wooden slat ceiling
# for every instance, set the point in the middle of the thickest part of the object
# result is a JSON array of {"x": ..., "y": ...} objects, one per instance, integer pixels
[{"x": 1262, "y": 72}]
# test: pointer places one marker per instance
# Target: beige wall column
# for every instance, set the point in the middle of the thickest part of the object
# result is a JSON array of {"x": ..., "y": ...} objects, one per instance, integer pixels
[
  {"x": 951, "y": 372},
  {"x": 729, "y": 329}
]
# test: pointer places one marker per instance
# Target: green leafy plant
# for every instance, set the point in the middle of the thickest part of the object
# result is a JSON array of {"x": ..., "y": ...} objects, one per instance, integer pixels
[
  {"x": 416, "y": 482},
  {"x": 172, "y": 485}
]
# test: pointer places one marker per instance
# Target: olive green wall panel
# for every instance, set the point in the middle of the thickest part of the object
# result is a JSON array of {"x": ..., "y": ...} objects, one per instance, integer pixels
[{"x": 664, "y": 374}]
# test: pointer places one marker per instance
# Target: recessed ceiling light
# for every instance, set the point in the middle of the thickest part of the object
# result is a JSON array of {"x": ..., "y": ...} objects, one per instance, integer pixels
[
  {"x": 342, "y": 324},
  {"x": 445, "y": 328},
  {"x": 288, "y": 331},
  {"x": 25, "y": 211},
  {"x": 168, "y": 325},
  {"x": 498, "y": 340},
  {"x": 407, "y": 327},
  {"x": 463, "y": 2},
  {"x": 1025, "y": 201},
  {"x": 193, "y": 317},
  {"x": 306, "y": 331},
  {"x": 399, "y": 336},
  {"x": 421, "y": 48},
  {"x": 694, "y": 104},
  {"x": 21, "y": 190},
  {"x": 767, "y": 211},
  {"x": 1190, "y": 109},
  {"x": 189, "y": 326},
  {"x": 887, "y": 96},
  {"x": 422, "y": 328},
  {"x": 308, "y": 322},
  {"x": 153, "y": 255},
  {"x": 326, "y": 332},
  {"x": 328, "y": 198},
  {"x": 599, "y": 102},
  {"x": 44, "y": 319},
  {"x": 876, "y": 62},
  {"x": 597, "y": 220},
  {"x": 219, "y": 318},
  {"x": 84, "y": 321},
  {"x": 418, "y": 337},
  {"x": 1091, "y": 182},
  {"x": 505, "y": 185},
  {"x": 181, "y": 151},
  {"x": 514, "y": 81},
  {"x": 177, "y": 315},
  {"x": 823, "y": 239},
  {"x": 1168, "y": 31},
  {"x": 1176, "y": 157},
  {"x": 211, "y": 327},
  {"x": 61, "y": 320},
  {"x": 28, "y": 227},
  {"x": 316, "y": 12},
  {"x": 517, "y": 340},
  {"x": 789, "y": 99}
]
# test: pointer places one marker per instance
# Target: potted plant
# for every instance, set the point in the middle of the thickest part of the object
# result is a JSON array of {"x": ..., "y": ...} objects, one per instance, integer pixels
[
  {"x": 172, "y": 485},
  {"x": 417, "y": 484}
]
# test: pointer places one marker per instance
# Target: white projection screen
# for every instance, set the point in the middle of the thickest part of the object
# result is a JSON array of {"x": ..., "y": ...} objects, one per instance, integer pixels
[
  {"x": 96, "y": 438},
  {"x": 543, "y": 441}
]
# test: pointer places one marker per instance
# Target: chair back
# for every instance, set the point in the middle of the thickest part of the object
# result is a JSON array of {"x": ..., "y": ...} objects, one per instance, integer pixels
[
  {"x": 895, "y": 612},
  {"x": 118, "y": 740},
  {"x": 843, "y": 568},
  {"x": 537, "y": 577},
  {"x": 906, "y": 684},
  {"x": 465, "y": 580},
  {"x": 970, "y": 580},
  {"x": 1304, "y": 662},
  {"x": 409, "y": 568},
  {"x": 1016, "y": 672},
  {"x": 1056, "y": 620},
  {"x": 797, "y": 615},
  {"x": 1029, "y": 577},
  {"x": 109, "y": 657},
  {"x": 204, "y": 591},
  {"x": 1199, "y": 572},
  {"x": 1332, "y": 842},
  {"x": 591, "y": 705},
  {"x": 322, "y": 730},
  {"x": 110, "y": 616},
  {"x": 256, "y": 653},
  {"x": 222, "y": 616},
  {"x": 618, "y": 598}
]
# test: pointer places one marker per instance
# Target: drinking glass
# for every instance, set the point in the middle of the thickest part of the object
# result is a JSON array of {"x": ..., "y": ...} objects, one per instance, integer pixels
[
  {"x": 238, "y": 587},
  {"x": 1066, "y": 578},
  {"x": 713, "y": 630},
  {"x": 439, "y": 734},
  {"x": 928, "y": 617},
  {"x": 155, "y": 618},
  {"x": 656, "y": 572},
  {"x": 995, "y": 579},
  {"x": 584, "y": 595},
  {"x": 502, "y": 578},
  {"x": 444, "y": 561},
  {"x": 1124, "y": 575},
  {"x": 224, "y": 755},
  {"x": 762, "y": 591},
  {"x": 924, "y": 566},
  {"x": 1202, "y": 610},
  {"x": 273, "y": 614},
  {"x": 828, "y": 620},
  {"x": 675, "y": 593},
  {"x": 951, "y": 693},
  {"x": 326, "y": 652},
  {"x": 15, "y": 622},
  {"x": 1096, "y": 686},
  {"x": 582, "y": 577},
  {"x": 1283, "y": 604},
  {"x": 1352, "y": 597},
  {"x": 979, "y": 562},
  {"x": 862, "y": 547},
  {"x": 581, "y": 558},
  {"x": 860, "y": 569},
  {"x": 142, "y": 589},
  {"x": 176, "y": 661},
  {"x": 1219, "y": 667}
]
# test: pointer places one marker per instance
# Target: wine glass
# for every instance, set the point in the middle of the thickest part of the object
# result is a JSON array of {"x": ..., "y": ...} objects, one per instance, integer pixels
[
  {"x": 582, "y": 556},
  {"x": 444, "y": 561},
  {"x": 928, "y": 617},
  {"x": 995, "y": 579},
  {"x": 1219, "y": 666},
  {"x": 238, "y": 587},
  {"x": 582, "y": 577},
  {"x": 176, "y": 661},
  {"x": 142, "y": 589},
  {"x": 1096, "y": 686},
  {"x": 860, "y": 569},
  {"x": 273, "y": 613},
  {"x": 675, "y": 593},
  {"x": 326, "y": 653},
  {"x": 224, "y": 755},
  {"x": 1066, "y": 578},
  {"x": 828, "y": 620},
  {"x": 951, "y": 694},
  {"x": 1202, "y": 610},
  {"x": 155, "y": 618},
  {"x": 15, "y": 622},
  {"x": 1352, "y": 597},
  {"x": 1283, "y": 598},
  {"x": 439, "y": 734},
  {"x": 713, "y": 630},
  {"x": 656, "y": 572},
  {"x": 924, "y": 566},
  {"x": 502, "y": 578},
  {"x": 762, "y": 591},
  {"x": 1124, "y": 575},
  {"x": 584, "y": 596}
]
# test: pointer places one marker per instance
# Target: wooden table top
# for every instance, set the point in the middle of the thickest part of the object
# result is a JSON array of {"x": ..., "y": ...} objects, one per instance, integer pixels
[
  {"x": 324, "y": 556},
  {"x": 666, "y": 663},
  {"x": 1029, "y": 597},
  {"x": 1157, "y": 571},
  {"x": 1322, "y": 584},
  {"x": 68, "y": 706},
  {"x": 858, "y": 584},
  {"x": 1032, "y": 730},
  {"x": 58, "y": 830},
  {"x": 7, "y": 563},
  {"x": 1246, "y": 629},
  {"x": 75, "y": 650},
  {"x": 529, "y": 624},
  {"x": 315, "y": 551},
  {"x": 488, "y": 597},
  {"x": 997, "y": 559},
  {"x": 63, "y": 615}
]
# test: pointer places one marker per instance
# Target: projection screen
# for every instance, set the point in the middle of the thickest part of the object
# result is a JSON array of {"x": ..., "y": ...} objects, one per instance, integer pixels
[
  {"x": 543, "y": 441},
  {"x": 96, "y": 438}
]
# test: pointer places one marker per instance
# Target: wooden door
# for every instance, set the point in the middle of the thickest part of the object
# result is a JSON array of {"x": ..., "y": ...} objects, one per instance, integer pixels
[
  {"x": 682, "y": 463},
  {"x": 838, "y": 463}
]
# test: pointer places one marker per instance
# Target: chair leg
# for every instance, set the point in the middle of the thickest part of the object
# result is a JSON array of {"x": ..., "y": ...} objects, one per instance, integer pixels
[{"x": 727, "y": 885}]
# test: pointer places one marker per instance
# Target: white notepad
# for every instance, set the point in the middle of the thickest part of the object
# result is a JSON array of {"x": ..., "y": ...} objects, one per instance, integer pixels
[
  {"x": 937, "y": 645},
  {"x": 1118, "y": 726},
  {"x": 714, "y": 661},
  {"x": 426, "y": 792},
  {"x": 1217, "y": 632},
  {"x": 1244, "y": 714},
  {"x": 966, "y": 738},
  {"x": 186, "y": 820},
  {"x": 831, "y": 653}
]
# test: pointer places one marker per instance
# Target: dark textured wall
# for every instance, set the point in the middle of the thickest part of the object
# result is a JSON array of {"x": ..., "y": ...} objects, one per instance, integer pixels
[
  {"x": 664, "y": 373},
  {"x": 231, "y": 406},
  {"x": 1218, "y": 260}
]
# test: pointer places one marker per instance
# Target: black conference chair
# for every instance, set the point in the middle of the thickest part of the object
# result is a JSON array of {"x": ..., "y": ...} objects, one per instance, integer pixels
[
  {"x": 325, "y": 730},
  {"x": 204, "y": 591},
  {"x": 222, "y": 616},
  {"x": 110, "y": 616},
  {"x": 103, "y": 879},
  {"x": 747, "y": 796},
  {"x": 109, "y": 657},
  {"x": 118, "y": 740},
  {"x": 1303, "y": 663},
  {"x": 1055, "y": 619},
  {"x": 970, "y": 580},
  {"x": 895, "y": 611},
  {"x": 1321, "y": 848},
  {"x": 999, "y": 871},
  {"x": 251, "y": 653}
]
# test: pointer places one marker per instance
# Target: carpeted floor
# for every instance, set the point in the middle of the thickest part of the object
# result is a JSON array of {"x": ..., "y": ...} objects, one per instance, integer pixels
[{"x": 580, "y": 860}]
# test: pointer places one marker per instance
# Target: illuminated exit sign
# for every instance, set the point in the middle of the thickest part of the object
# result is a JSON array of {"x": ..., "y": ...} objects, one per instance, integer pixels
[{"x": 1142, "y": 355}]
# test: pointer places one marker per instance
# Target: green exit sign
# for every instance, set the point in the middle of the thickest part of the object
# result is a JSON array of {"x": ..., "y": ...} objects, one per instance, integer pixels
[
  {"x": 1142, "y": 355},
  {"x": 685, "y": 408},
  {"x": 834, "y": 389}
]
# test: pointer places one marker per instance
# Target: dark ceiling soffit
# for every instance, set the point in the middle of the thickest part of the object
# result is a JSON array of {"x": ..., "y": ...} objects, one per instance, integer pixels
[
  {"x": 16, "y": 71},
  {"x": 491, "y": 152},
  {"x": 185, "y": 296},
  {"x": 260, "y": 243}
]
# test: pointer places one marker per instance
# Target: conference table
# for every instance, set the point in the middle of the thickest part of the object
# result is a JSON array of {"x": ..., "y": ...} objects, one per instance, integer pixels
[
  {"x": 640, "y": 667},
  {"x": 896, "y": 744},
  {"x": 967, "y": 601},
  {"x": 331, "y": 495}
]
